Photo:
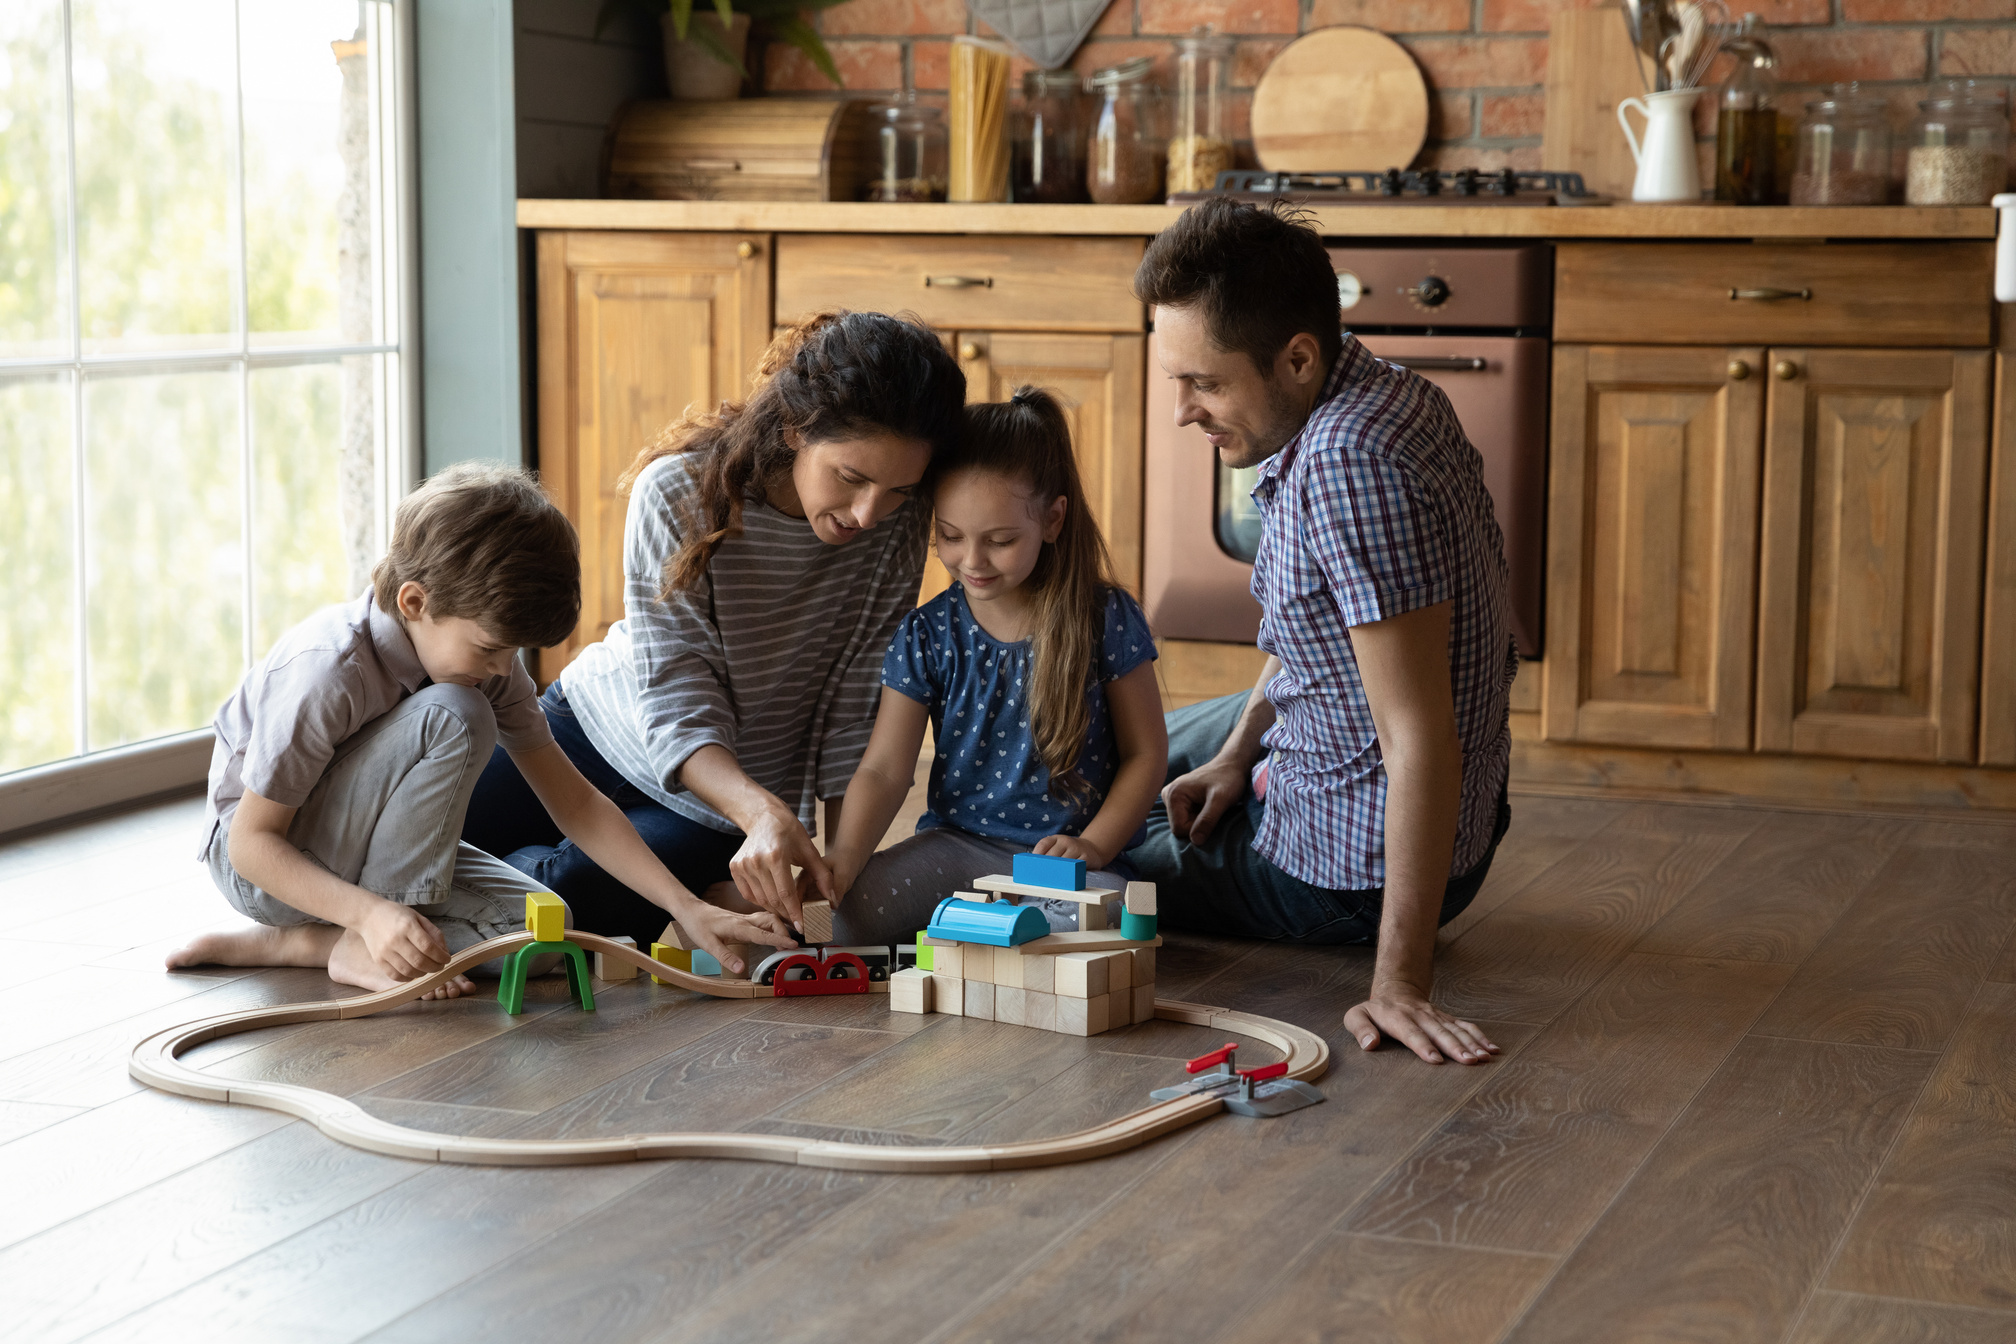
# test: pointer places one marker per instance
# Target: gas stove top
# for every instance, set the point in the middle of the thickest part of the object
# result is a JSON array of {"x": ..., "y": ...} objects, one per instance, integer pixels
[{"x": 1395, "y": 186}]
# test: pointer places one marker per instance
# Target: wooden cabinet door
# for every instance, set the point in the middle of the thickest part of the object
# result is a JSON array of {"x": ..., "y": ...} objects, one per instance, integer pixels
[
  {"x": 1875, "y": 473},
  {"x": 1998, "y": 607},
  {"x": 1651, "y": 553},
  {"x": 633, "y": 329},
  {"x": 1100, "y": 381}
]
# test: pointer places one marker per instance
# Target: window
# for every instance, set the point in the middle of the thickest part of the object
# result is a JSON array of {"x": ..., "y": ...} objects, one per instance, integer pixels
[{"x": 203, "y": 307}]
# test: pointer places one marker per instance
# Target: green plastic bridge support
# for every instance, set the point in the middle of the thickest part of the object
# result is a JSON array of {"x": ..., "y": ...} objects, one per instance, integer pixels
[{"x": 511, "y": 987}]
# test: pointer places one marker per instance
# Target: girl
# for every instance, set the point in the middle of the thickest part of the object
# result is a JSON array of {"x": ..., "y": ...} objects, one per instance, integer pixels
[
  {"x": 1035, "y": 672},
  {"x": 769, "y": 551}
]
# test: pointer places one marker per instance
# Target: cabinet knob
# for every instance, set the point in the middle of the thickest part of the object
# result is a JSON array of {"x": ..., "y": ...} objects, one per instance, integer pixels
[
  {"x": 1738, "y": 370},
  {"x": 745, "y": 250},
  {"x": 1786, "y": 370},
  {"x": 969, "y": 350}
]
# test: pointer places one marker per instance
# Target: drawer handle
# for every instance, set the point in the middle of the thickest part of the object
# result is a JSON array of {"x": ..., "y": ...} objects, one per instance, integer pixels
[
  {"x": 1738, "y": 370},
  {"x": 1786, "y": 370},
  {"x": 713, "y": 165},
  {"x": 1770, "y": 295},
  {"x": 970, "y": 351},
  {"x": 958, "y": 282},
  {"x": 1452, "y": 363}
]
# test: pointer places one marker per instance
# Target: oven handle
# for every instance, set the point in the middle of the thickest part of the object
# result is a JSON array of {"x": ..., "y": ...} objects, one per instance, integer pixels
[{"x": 1450, "y": 363}]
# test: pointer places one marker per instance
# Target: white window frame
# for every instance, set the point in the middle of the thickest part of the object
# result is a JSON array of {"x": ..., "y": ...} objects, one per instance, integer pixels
[{"x": 91, "y": 781}]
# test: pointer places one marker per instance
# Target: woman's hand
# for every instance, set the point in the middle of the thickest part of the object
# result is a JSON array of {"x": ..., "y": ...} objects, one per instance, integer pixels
[
  {"x": 762, "y": 867},
  {"x": 713, "y": 930},
  {"x": 1072, "y": 847}
]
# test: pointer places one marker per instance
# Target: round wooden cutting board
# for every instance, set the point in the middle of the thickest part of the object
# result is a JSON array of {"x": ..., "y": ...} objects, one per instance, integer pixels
[{"x": 1340, "y": 98}]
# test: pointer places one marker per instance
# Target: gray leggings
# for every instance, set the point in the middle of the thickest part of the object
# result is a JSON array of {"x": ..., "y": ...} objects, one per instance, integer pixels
[
  {"x": 387, "y": 816},
  {"x": 896, "y": 893}
]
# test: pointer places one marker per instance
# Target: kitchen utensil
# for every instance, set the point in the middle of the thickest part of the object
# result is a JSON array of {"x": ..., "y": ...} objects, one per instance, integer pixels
[
  {"x": 1666, "y": 168},
  {"x": 1686, "y": 55},
  {"x": 1340, "y": 98},
  {"x": 1655, "y": 24},
  {"x": 1634, "y": 18},
  {"x": 1592, "y": 66}
]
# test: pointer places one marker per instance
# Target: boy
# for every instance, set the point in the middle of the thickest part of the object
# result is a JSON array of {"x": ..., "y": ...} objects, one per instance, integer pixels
[{"x": 345, "y": 760}]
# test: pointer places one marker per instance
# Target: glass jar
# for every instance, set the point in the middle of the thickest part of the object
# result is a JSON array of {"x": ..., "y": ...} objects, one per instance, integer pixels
[
  {"x": 1124, "y": 163},
  {"x": 1746, "y": 122},
  {"x": 906, "y": 152},
  {"x": 1049, "y": 143},
  {"x": 1958, "y": 147},
  {"x": 1200, "y": 148},
  {"x": 1843, "y": 151}
]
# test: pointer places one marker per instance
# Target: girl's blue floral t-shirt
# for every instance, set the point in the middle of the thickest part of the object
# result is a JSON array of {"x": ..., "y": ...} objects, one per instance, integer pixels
[{"x": 988, "y": 777}]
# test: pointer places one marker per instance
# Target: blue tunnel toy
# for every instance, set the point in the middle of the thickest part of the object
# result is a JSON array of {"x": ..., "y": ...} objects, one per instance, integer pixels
[{"x": 995, "y": 923}]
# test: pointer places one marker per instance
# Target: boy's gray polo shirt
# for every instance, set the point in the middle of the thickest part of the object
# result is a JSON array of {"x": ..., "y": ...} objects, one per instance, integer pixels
[{"x": 323, "y": 681}]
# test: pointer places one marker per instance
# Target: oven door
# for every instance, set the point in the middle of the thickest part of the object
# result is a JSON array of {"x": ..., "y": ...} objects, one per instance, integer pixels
[{"x": 1201, "y": 526}]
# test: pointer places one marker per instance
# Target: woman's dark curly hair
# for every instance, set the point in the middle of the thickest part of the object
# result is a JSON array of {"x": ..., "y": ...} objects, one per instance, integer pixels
[{"x": 834, "y": 375}]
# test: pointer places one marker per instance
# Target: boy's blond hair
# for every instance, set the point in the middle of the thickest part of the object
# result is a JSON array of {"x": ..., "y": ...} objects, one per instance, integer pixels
[{"x": 489, "y": 546}]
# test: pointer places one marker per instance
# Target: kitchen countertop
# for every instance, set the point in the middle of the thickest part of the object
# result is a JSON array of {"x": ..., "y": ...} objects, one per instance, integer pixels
[{"x": 1622, "y": 220}]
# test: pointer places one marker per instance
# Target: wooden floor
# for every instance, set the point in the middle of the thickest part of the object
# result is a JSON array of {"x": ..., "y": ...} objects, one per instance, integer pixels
[{"x": 1757, "y": 1085}]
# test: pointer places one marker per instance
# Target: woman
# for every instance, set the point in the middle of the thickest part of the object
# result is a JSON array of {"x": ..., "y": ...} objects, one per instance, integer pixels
[{"x": 769, "y": 552}]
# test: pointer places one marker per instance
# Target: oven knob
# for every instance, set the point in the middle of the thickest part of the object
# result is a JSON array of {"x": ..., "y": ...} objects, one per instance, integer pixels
[
  {"x": 1432, "y": 292},
  {"x": 1349, "y": 290}
]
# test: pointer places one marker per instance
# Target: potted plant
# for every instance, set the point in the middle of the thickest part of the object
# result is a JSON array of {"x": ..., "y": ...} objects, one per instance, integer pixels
[{"x": 704, "y": 58}]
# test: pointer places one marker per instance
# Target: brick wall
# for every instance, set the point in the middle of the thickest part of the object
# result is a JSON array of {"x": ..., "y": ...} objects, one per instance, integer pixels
[{"x": 1485, "y": 60}]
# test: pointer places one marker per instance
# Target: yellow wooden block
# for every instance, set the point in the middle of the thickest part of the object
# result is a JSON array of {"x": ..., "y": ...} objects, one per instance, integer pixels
[
  {"x": 672, "y": 956},
  {"x": 545, "y": 916}
]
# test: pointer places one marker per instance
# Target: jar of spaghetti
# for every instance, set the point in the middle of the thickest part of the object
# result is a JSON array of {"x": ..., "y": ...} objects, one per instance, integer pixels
[
  {"x": 1125, "y": 156},
  {"x": 1201, "y": 147}
]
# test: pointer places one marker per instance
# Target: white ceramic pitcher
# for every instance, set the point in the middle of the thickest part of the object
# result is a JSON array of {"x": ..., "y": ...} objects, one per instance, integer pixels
[{"x": 1666, "y": 170}]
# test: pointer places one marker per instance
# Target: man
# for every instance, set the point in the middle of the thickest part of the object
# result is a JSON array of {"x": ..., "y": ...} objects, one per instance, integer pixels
[{"x": 1358, "y": 792}]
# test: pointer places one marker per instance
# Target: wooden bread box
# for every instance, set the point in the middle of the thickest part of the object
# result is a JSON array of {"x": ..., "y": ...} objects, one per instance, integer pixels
[{"x": 743, "y": 149}]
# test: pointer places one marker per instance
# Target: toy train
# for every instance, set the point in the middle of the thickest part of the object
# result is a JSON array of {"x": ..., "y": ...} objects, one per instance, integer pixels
[{"x": 878, "y": 961}]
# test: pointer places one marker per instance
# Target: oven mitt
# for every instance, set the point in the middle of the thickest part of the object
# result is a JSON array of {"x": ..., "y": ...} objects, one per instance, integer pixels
[{"x": 1046, "y": 31}]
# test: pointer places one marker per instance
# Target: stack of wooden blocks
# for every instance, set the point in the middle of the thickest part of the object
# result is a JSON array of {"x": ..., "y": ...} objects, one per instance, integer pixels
[
  {"x": 1076, "y": 993},
  {"x": 1079, "y": 984}
]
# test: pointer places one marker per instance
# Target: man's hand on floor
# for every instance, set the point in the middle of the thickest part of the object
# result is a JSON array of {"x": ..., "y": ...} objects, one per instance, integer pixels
[
  {"x": 1197, "y": 800},
  {"x": 1419, "y": 1025}
]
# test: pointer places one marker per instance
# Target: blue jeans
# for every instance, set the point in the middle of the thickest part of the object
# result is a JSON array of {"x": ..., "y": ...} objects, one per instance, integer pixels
[
  {"x": 506, "y": 817},
  {"x": 1224, "y": 886}
]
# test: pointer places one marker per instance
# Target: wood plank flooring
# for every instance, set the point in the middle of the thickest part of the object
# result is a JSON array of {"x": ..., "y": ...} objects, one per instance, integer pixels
[{"x": 1756, "y": 1086}]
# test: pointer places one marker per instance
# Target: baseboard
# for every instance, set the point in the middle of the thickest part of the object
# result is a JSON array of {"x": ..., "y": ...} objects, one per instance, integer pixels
[
  {"x": 85, "y": 784},
  {"x": 1806, "y": 781}
]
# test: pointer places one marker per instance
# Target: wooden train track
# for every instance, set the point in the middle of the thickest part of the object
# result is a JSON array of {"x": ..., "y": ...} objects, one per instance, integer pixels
[{"x": 156, "y": 1062}]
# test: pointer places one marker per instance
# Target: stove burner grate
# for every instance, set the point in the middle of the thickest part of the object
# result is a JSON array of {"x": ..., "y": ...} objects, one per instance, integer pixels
[{"x": 1464, "y": 183}]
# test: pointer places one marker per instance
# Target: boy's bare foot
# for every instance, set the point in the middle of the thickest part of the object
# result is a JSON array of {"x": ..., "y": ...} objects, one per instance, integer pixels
[
  {"x": 351, "y": 963},
  {"x": 300, "y": 945}
]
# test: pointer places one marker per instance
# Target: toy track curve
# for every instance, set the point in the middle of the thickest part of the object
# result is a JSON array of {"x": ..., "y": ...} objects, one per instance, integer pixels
[{"x": 155, "y": 1062}]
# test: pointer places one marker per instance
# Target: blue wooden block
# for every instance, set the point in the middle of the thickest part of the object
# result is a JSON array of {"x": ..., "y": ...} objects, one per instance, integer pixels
[
  {"x": 1047, "y": 870},
  {"x": 704, "y": 963},
  {"x": 995, "y": 923}
]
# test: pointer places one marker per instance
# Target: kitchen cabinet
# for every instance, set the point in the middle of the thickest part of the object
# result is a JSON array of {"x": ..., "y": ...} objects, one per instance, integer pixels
[
  {"x": 1652, "y": 547},
  {"x": 633, "y": 329},
  {"x": 1869, "y": 621},
  {"x": 1998, "y": 654}
]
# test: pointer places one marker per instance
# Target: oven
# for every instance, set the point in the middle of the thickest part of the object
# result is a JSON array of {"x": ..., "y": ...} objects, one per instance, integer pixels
[{"x": 1471, "y": 320}]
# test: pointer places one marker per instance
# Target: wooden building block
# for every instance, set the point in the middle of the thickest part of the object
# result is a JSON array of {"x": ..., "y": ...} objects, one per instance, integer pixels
[
  {"x": 672, "y": 937},
  {"x": 1144, "y": 1003},
  {"x": 948, "y": 994},
  {"x": 1091, "y": 940},
  {"x": 1050, "y": 870},
  {"x": 946, "y": 958},
  {"x": 1091, "y": 916},
  {"x": 1081, "y": 975},
  {"x": 910, "y": 991},
  {"x": 1144, "y": 966},
  {"x": 609, "y": 968},
  {"x": 1119, "y": 1009},
  {"x": 979, "y": 962},
  {"x": 1119, "y": 970},
  {"x": 1141, "y": 898},
  {"x": 1039, "y": 1010},
  {"x": 1081, "y": 1017},
  {"x": 545, "y": 916},
  {"x": 1011, "y": 1005},
  {"x": 980, "y": 1000},
  {"x": 816, "y": 919},
  {"x": 1039, "y": 974}
]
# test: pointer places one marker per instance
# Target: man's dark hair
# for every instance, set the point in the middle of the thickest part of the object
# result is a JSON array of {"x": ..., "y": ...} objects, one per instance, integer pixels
[
  {"x": 1257, "y": 274},
  {"x": 487, "y": 545}
]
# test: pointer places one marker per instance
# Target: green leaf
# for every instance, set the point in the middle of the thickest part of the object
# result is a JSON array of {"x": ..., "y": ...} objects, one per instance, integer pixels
[
  {"x": 800, "y": 35},
  {"x": 682, "y": 15},
  {"x": 612, "y": 8},
  {"x": 717, "y": 46},
  {"x": 725, "y": 11}
]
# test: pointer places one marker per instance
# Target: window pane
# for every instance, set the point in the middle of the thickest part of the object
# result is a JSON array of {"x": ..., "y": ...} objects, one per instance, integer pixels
[
  {"x": 308, "y": 150},
  {"x": 38, "y": 631},
  {"x": 164, "y": 552},
  {"x": 34, "y": 190},
  {"x": 313, "y": 541},
  {"x": 155, "y": 96}
]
